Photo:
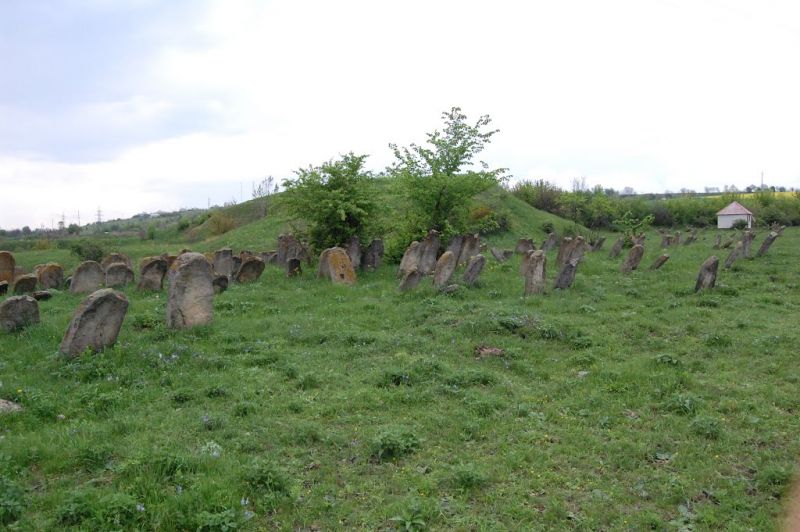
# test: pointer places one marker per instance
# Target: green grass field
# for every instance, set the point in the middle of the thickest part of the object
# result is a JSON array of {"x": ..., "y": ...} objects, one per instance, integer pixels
[{"x": 623, "y": 403}]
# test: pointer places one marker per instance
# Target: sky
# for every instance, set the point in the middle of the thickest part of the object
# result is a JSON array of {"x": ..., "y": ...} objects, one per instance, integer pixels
[{"x": 129, "y": 106}]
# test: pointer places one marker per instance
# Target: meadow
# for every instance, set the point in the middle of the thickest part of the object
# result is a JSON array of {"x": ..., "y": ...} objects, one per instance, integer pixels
[{"x": 622, "y": 403}]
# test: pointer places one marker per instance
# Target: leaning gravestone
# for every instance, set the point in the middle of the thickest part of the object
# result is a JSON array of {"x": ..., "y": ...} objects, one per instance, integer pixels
[
  {"x": 499, "y": 254},
  {"x": 666, "y": 240},
  {"x": 118, "y": 274},
  {"x": 191, "y": 292},
  {"x": 564, "y": 250},
  {"x": 767, "y": 243},
  {"x": 735, "y": 254},
  {"x": 597, "y": 245},
  {"x": 18, "y": 312},
  {"x": 7, "y": 265},
  {"x": 525, "y": 245},
  {"x": 269, "y": 257},
  {"x": 51, "y": 275},
  {"x": 88, "y": 277},
  {"x": 25, "y": 284},
  {"x": 550, "y": 243},
  {"x": 410, "y": 280},
  {"x": 223, "y": 262},
  {"x": 250, "y": 270},
  {"x": 660, "y": 261},
  {"x": 455, "y": 245},
  {"x": 718, "y": 242},
  {"x": 692, "y": 237},
  {"x": 566, "y": 275},
  {"x": 533, "y": 271},
  {"x": 113, "y": 258},
  {"x": 633, "y": 259},
  {"x": 334, "y": 264},
  {"x": 373, "y": 256},
  {"x": 616, "y": 249},
  {"x": 410, "y": 259},
  {"x": 151, "y": 274},
  {"x": 470, "y": 248},
  {"x": 747, "y": 242},
  {"x": 445, "y": 267},
  {"x": 96, "y": 322},
  {"x": 237, "y": 263},
  {"x": 3, "y": 288},
  {"x": 428, "y": 251},
  {"x": 708, "y": 274},
  {"x": 294, "y": 267},
  {"x": 354, "y": 251},
  {"x": 220, "y": 283},
  {"x": 474, "y": 269}
]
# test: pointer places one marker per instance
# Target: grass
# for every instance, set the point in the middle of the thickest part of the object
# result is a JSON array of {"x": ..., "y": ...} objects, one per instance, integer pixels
[{"x": 624, "y": 403}]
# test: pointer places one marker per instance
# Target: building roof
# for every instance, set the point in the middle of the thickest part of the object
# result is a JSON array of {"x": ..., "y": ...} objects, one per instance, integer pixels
[{"x": 734, "y": 208}]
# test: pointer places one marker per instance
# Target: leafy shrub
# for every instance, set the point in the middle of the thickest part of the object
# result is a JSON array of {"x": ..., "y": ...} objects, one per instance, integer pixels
[
  {"x": 394, "y": 442},
  {"x": 739, "y": 225},
  {"x": 548, "y": 227},
  {"x": 267, "y": 481},
  {"x": 217, "y": 520},
  {"x": 486, "y": 221},
  {"x": 87, "y": 250},
  {"x": 683, "y": 404},
  {"x": 539, "y": 194},
  {"x": 773, "y": 479},
  {"x": 184, "y": 224},
  {"x": 41, "y": 244},
  {"x": 466, "y": 477},
  {"x": 11, "y": 501},
  {"x": 219, "y": 223},
  {"x": 706, "y": 426}
]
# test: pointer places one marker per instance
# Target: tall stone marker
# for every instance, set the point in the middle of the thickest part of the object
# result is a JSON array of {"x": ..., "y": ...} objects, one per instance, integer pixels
[
  {"x": 113, "y": 258},
  {"x": 7, "y": 265},
  {"x": 118, "y": 274},
  {"x": 660, "y": 261},
  {"x": 223, "y": 262},
  {"x": 410, "y": 280},
  {"x": 334, "y": 264},
  {"x": 566, "y": 275},
  {"x": 474, "y": 269},
  {"x": 191, "y": 293},
  {"x": 428, "y": 251},
  {"x": 736, "y": 252},
  {"x": 767, "y": 243},
  {"x": 470, "y": 248},
  {"x": 96, "y": 322},
  {"x": 51, "y": 275},
  {"x": 616, "y": 249},
  {"x": 533, "y": 270},
  {"x": 445, "y": 267},
  {"x": 747, "y": 242},
  {"x": 373, "y": 256},
  {"x": 251, "y": 269},
  {"x": 354, "y": 251},
  {"x": 151, "y": 275},
  {"x": 633, "y": 259},
  {"x": 410, "y": 259},
  {"x": 88, "y": 277},
  {"x": 708, "y": 274},
  {"x": 18, "y": 312}
]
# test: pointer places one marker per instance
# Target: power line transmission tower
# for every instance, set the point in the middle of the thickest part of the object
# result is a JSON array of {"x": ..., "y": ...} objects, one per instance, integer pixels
[{"x": 99, "y": 216}]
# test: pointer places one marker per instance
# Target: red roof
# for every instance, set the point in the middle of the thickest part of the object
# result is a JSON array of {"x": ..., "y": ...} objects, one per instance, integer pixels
[{"x": 734, "y": 208}]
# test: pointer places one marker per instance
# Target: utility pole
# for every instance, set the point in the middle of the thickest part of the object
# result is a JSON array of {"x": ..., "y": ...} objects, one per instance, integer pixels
[
  {"x": 762, "y": 179},
  {"x": 99, "y": 216}
]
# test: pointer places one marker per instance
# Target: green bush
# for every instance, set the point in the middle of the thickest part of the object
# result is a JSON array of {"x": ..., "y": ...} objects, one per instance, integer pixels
[
  {"x": 220, "y": 223},
  {"x": 739, "y": 225},
  {"x": 11, "y": 501},
  {"x": 87, "y": 250},
  {"x": 394, "y": 442}
]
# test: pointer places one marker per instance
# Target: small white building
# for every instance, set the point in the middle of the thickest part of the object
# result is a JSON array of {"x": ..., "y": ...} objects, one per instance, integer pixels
[{"x": 731, "y": 214}]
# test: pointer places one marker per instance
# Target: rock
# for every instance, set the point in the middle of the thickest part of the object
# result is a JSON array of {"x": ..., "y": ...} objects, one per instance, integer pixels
[
  {"x": 3, "y": 288},
  {"x": 533, "y": 270},
  {"x": 747, "y": 242},
  {"x": 25, "y": 284},
  {"x": 220, "y": 283},
  {"x": 42, "y": 295},
  {"x": 373, "y": 256},
  {"x": 113, "y": 258},
  {"x": 474, "y": 269},
  {"x": 96, "y": 322},
  {"x": 88, "y": 277},
  {"x": 118, "y": 274},
  {"x": 660, "y": 261},
  {"x": 410, "y": 280},
  {"x": 735, "y": 254},
  {"x": 410, "y": 259},
  {"x": 7, "y": 266},
  {"x": 151, "y": 274},
  {"x": 223, "y": 262},
  {"x": 550, "y": 243},
  {"x": 708, "y": 274},
  {"x": 294, "y": 267},
  {"x": 18, "y": 312},
  {"x": 428, "y": 251},
  {"x": 470, "y": 248},
  {"x": 353, "y": 248},
  {"x": 250, "y": 270},
  {"x": 444, "y": 269},
  {"x": 524, "y": 245},
  {"x": 767, "y": 243},
  {"x": 51, "y": 275},
  {"x": 566, "y": 275},
  {"x": 334, "y": 264},
  {"x": 616, "y": 249},
  {"x": 7, "y": 407},
  {"x": 191, "y": 292},
  {"x": 633, "y": 259}
]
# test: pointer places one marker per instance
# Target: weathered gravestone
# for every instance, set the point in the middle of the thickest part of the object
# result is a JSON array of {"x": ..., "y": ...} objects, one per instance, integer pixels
[
  {"x": 3, "y": 288},
  {"x": 289, "y": 248},
  {"x": 564, "y": 250},
  {"x": 474, "y": 269},
  {"x": 747, "y": 242},
  {"x": 223, "y": 262},
  {"x": 334, "y": 264},
  {"x": 250, "y": 270},
  {"x": 445, "y": 267},
  {"x": 269, "y": 257},
  {"x": 151, "y": 273},
  {"x": 353, "y": 248},
  {"x": 707, "y": 276},
  {"x": 51, "y": 275},
  {"x": 410, "y": 280},
  {"x": 41, "y": 295},
  {"x": 666, "y": 240},
  {"x": 25, "y": 284},
  {"x": 571, "y": 248},
  {"x": 470, "y": 248},
  {"x": 237, "y": 263},
  {"x": 660, "y": 261},
  {"x": 597, "y": 245},
  {"x": 718, "y": 242},
  {"x": 566, "y": 275},
  {"x": 428, "y": 251},
  {"x": 18, "y": 312},
  {"x": 373, "y": 256},
  {"x": 633, "y": 259},
  {"x": 728, "y": 243},
  {"x": 616, "y": 249},
  {"x": 533, "y": 270},
  {"x": 767, "y": 243},
  {"x": 118, "y": 274},
  {"x": 524, "y": 245},
  {"x": 96, "y": 322},
  {"x": 551, "y": 242},
  {"x": 113, "y": 258},
  {"x": 677, "y": 238},
  {"x": 735, "y": 254},
  {"x": 88, "y": 277},
  {"x": 7, "y": 265},
  {"x": 638, "y": 240},
  {"x": 294, "y": 267},
  {"x": 692, "y": 237},
  {"x": 455, "y": 245},
  {"x": 410, "y": 259},
  {"x": 220, "y": 283},
  {"x": 191, "y": 292},
  {"x": 501, "y": 255}
]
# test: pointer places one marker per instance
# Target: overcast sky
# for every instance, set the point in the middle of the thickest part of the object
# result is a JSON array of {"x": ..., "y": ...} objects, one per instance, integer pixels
[{"x": 145, "y": 105}]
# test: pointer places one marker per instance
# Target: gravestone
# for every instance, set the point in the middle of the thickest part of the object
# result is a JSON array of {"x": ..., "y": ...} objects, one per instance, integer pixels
[
  {"x": 41, "y": 295},
  {"x": 692, "y": 237},
  {"x": 666, "y": 240},
  {"x": 455, "y": 246},
  {"x": 250, "y": 270},
  {"x": 534, "y": 266},
  {"x": 707, "y": 276},
  {"x": 289, "y": 248},
  {"x": 444, "y": 269},
  {"x": 616, "y": 249},
  {"x": 474, "y": 269},
  {"x": 223, "y": 262},
  {"x": 470, "y": 248},
  {"x": 728, "y": 243},
  {"x": 410, "y": 259},
  {"x": 191, "y": 292},
  {"x": 747, "y": 242},
  {"x": 551, "y": 242},
  {"x": 88, "y": 277},
  {"x": 3, "y": 288},
  {"x": 735, "y": 253},
  {"x": 25, "y": 284},
  {"x": 410, "y": 280},
  {"x": 373, "y": 256},
  {"x": 677, "y": 238},
  {"x": 638, "y": 240},
  {"x": 633, "y": 259},
  {"x": 269, "y": 257},
  {"x": 293, "y": 267},
  {"x": 113, "y": 258},
  {"x": 354, "y": 251},
  {"x": 564, "y": 250},
  {"x": 501, "y": 255},
  {"x": 597, "y": 245},
  {"x": 718, "y": 242},
  {"x": 237, "y": 263},
  {"x": 51, "y": 275},
  {"x": 660, "y": 262},
  {"x": 151, "y": 274},
  {"x": 524, "y": 245},
  {"x": 566, "y": 276},
  {"x": 767, "y": 243},
  {"x": 219, "y": 283},
  {"x": 7, "y": 265},
  {"x": 170, "y": 259},
  {"x": 428, "y": 251},
  {"x": 96, "y": 322},
  {"x": 334, "y": 264},
  {"x": 118, "y": 274},
  {"x": 18, "y": 312}
]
